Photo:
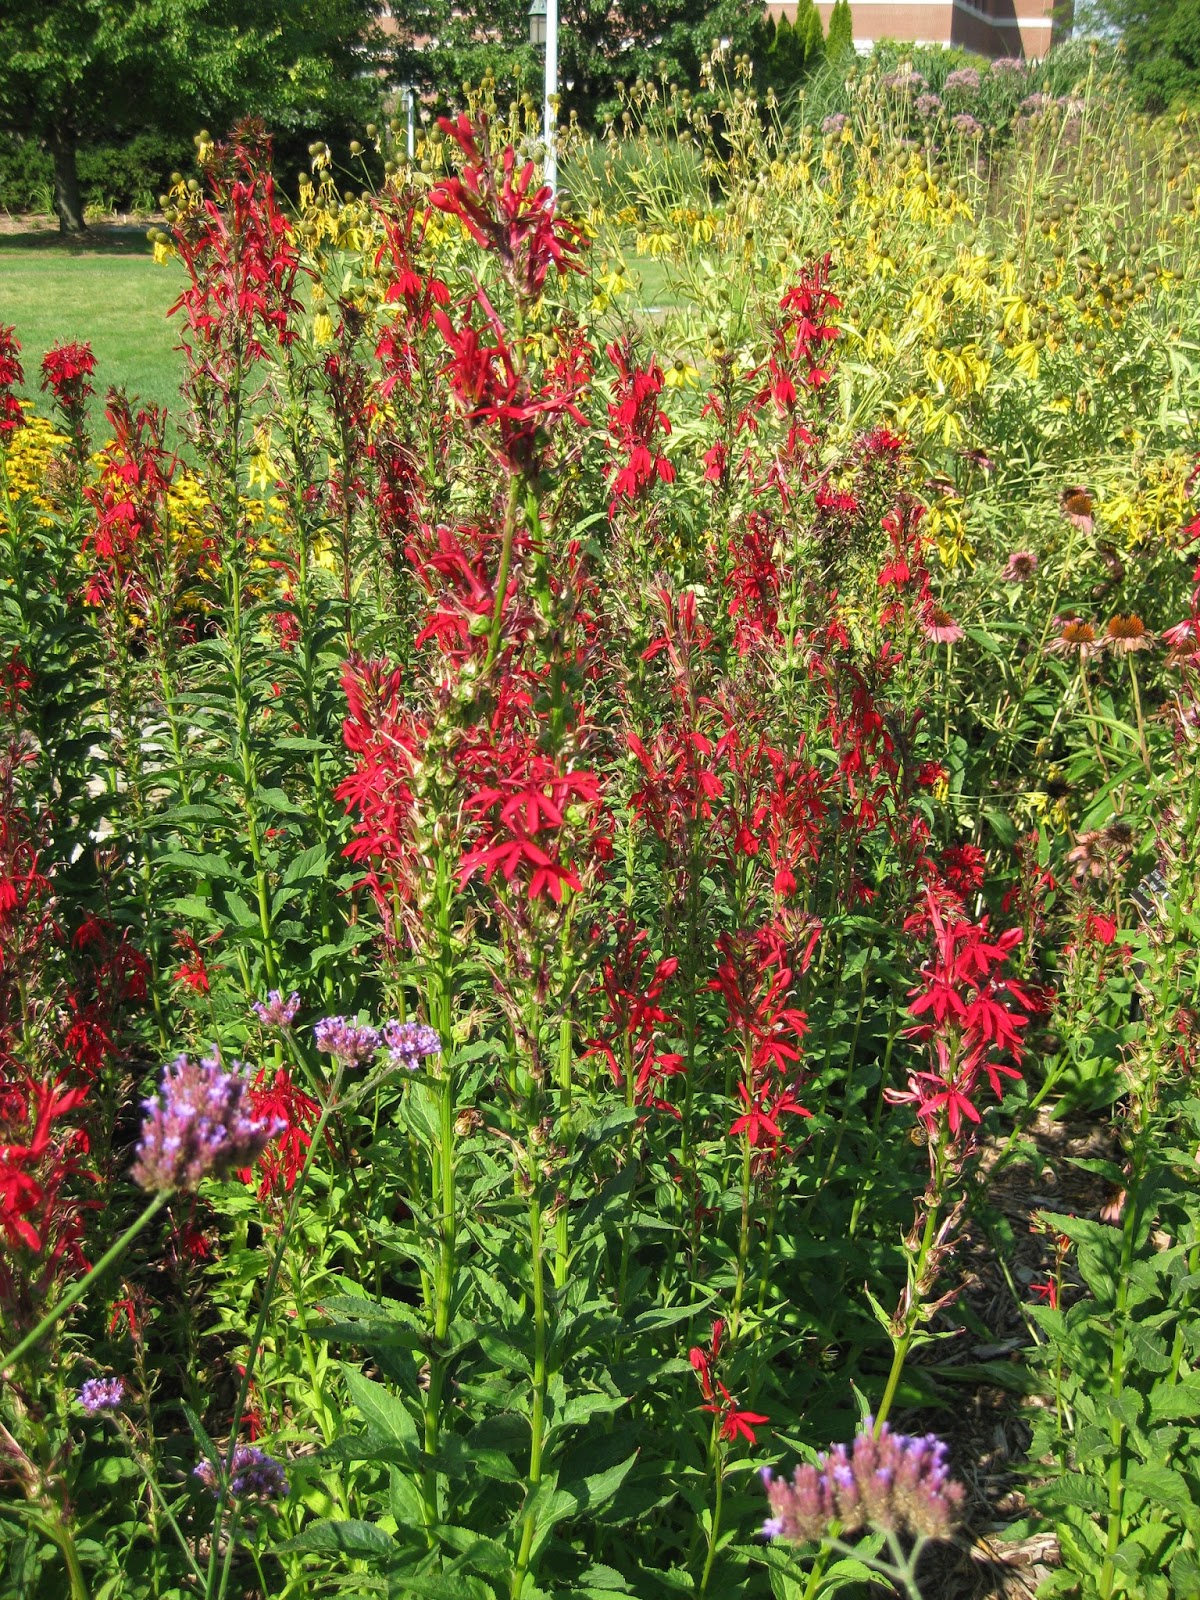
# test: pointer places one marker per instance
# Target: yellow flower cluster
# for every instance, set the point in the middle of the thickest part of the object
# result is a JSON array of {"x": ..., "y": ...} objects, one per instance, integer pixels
[{"x": 26, "y": 463}]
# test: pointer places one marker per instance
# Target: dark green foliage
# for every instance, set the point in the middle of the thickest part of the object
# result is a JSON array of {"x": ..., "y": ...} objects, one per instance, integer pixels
[
  {"x": 124, "y": 177},
  {"x": 1165, "y": 55},
  {"x": 1161, "y": 40},
  {"x": 79, "y": 72},
  {"x": 840, "y": 39},
  {"x": 797, "y": 49}
]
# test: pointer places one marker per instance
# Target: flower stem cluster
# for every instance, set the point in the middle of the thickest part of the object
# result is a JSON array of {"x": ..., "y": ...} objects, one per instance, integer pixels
[{"x": 888, "y": 1481}]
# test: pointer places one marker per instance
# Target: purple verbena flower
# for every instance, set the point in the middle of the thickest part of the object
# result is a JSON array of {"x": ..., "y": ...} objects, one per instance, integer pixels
[
  {"x": 255, "y": 1473},
  {"x": 964, "y": 79},
  {"x": 834, "y": 122},
  {"x": 928, "y": 105},
  {"x": 348, "y": 1041},
  {"x": 275, "y": 1011},
  {"x": 1034, "y": 104},
  {"x": 1007, "y": 67},
  {"x": 970, "y": 127},
  {"x": 895, "y": 1483},
  {"x": 409, "y": 1042},
  {"x": 199, "y": 1124},
  {"x": 101, "y": 1394}
]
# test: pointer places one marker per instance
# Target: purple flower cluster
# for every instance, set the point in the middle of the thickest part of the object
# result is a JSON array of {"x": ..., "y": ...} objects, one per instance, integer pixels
[
  {"x": 928, "y": 105},
  {"x": 964, "y": 79},
  {"x": 255, "y": 1473},
  {"x": 101, "y": 1394},
  {"x": 410, "y": 1042},
  {"x": 1007, "y": 67},
  {"x": 970, "y": 127},
  {"x": 350, "y": 1042},
  {"x": 894, "y": 1483},
  {"x": 199, "y": 1124},
  {"x": 275, "y": 1011},
  {"x": 903, "y": 81},
  {"x": 835, "y": 122},
  {"x": 1034, "y": 104}
]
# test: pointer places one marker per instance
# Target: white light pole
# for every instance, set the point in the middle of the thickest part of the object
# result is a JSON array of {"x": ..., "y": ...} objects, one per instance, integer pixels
[
  {"x": 409, "y": 99},
  {"x": 543, "y": 29}
]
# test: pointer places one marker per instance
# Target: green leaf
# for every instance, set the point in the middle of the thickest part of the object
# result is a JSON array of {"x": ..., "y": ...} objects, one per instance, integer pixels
[
  {"x": 310, "y": 863},
  {"x": 200, "y": 864},
  {"x": 592, "y": 1494},
  {"x": 1162, "y": 1486},
  {"x": 352, "y": 1538},
  {"x": 506, "y": 1355},
  {"x": 385, "y": 1414},
  {"x": 1170, "y": 1402},
  {"x": 429, "y": 1586}
]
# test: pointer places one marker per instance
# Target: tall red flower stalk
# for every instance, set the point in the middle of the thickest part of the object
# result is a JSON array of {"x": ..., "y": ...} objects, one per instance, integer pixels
[
  {"x": 969, "y": 1024},
  {"x": 474, "y": 802},
  {"x": 12, "y": 375},
  {"x": 66, "y": 371}
]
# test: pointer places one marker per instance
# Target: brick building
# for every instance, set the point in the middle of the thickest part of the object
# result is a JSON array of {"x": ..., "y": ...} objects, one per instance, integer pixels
[{"x": 988, "y": 27}]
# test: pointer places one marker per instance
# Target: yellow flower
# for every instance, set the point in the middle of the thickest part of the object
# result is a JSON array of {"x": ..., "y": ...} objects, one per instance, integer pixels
[{"x": 681, "y": 375}]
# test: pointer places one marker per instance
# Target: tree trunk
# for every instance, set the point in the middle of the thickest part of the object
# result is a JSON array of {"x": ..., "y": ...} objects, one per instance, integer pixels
[{"x": 68, "y": 203}]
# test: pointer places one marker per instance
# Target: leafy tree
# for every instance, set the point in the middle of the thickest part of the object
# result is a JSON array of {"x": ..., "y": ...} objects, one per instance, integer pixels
[
  {"x": 797, "y": 49},
  {"x": 442, "y": 44},
  {"x": 1162, "y": 45},
  {"x": 81, "y": 70},
  {"x": 840, "y": 38}
]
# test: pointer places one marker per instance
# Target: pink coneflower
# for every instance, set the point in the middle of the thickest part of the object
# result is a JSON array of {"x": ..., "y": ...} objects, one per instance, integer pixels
[
  {"x": 1020, "y": 567},
  {"x": 1076, "y": 637},
  {"x": 940, "y": 627},
  {"x": 1123, "y": 634},
  {"x": 1077, "y": 506}
]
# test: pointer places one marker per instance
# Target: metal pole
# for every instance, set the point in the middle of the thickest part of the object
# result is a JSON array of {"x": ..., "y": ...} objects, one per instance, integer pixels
[
  {"x": 551, "y": 91},
  {"x": 411, "y": 141}
]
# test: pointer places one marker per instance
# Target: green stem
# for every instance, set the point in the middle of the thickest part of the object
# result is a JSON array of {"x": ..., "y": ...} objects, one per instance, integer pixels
[
  {"x": 903, "y": 1344},
  {"x": 538, "y": 1418},
  {"x": 78, "y": 1290},
  {"x": 160, "y": 1500},
  {"x": 506, "y": 548},
  {"x": 715, "y": 1531},
  {"x": 255, "y": 1341},
  {"x": 1116, "y": 1428},
  {"x": 1141, "y": 723}
]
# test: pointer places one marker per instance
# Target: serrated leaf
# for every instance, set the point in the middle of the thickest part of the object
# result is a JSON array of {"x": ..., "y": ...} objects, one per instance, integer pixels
[
  {"x": 352, "y": 1537},
  {"x": 201, "y": 864},
  {"x": 386, "y": 1415},
  {"x": 310, "y": 863},
  {"x": 1176, "y": 1401}
]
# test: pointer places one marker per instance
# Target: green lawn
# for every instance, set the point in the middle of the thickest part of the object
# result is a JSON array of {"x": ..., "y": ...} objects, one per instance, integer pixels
[{"x": 110, "y": 292}]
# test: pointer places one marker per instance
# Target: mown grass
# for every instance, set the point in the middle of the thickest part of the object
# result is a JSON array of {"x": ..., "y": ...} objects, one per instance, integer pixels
[{"x": 110, "y": 292}]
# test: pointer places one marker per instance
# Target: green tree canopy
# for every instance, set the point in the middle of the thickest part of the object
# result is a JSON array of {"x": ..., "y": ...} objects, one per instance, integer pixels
[
  {"x": 73, "y": 70},
  {"x": 443, "y": 44},
  {"x": 1162, "y": 45}
]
